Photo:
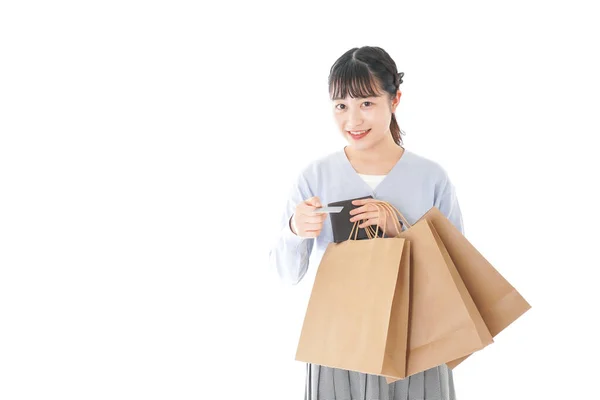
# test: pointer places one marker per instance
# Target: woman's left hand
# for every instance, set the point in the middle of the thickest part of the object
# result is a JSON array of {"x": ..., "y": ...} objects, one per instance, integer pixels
[{"x": 371, "y": 213}]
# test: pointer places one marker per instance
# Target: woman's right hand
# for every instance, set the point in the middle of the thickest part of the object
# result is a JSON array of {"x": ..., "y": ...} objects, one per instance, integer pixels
[{"x": 308, "y": 224}]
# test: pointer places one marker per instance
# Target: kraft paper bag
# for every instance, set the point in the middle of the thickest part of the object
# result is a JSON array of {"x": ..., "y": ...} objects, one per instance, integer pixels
[
  {"x": 444, "y": 322},
  {"x": 357, "y": 314},
  {"x": 498, "y": 302}
]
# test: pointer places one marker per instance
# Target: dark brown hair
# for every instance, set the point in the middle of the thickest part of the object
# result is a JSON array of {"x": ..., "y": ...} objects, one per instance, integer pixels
[{"x": 360, "y": 72}]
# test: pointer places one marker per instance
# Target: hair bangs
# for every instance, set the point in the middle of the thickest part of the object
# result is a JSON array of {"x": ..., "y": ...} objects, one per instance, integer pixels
[{"x": 354, "y": 79}]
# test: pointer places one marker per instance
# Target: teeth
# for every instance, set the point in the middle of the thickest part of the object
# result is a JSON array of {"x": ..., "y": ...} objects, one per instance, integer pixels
[{"x": 357, "y": 132}]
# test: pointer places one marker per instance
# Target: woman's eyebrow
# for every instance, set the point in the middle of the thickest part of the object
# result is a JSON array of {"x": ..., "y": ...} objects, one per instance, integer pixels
[{"x": 359, "y": 98}]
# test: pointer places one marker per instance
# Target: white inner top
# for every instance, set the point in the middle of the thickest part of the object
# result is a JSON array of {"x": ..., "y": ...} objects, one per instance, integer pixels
[{"x": 372, "y": 180}]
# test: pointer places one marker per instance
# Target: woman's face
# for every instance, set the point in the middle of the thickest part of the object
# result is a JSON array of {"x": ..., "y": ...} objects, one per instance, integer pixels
[{"x": 372, "y": 114}]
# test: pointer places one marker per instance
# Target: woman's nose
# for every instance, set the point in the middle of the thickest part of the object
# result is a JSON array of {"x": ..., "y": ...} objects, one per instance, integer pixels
[{"x": 354, "y": 119}]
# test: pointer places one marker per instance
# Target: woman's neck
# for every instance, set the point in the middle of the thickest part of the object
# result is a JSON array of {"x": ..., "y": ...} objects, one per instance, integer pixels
[{"x": 384, "y": 151}]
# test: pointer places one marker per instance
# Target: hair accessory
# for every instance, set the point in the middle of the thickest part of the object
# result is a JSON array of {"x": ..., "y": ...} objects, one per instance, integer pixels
[{"x": 399, "y": 78}]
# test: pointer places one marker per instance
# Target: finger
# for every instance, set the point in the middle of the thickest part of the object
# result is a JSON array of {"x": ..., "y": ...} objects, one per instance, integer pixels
[
  {"x": 377, "y": 210},
  {"x": 309, "y": 213},
  {"x": 312, "y": 218},
  {"x": 360, "y": 202},
  {"x": 310, "y": 225},
  {"x": 364, "y": 208},
  {"x": 307, "y": 209},
  {"x": 312, "y": 229},
  {"x": 366, "y": 215},
  {"x": 358, "y": 210},
  {"x": 313, "y": 202},
  {"x": 310, "y": 233},
  {"x": 367, "y": 223},
  {"x": 373, "y": 222}
]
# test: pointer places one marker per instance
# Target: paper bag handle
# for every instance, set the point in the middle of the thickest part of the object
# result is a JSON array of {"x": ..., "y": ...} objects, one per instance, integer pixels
[
  {"x": 386, "y": 206},
  {"x": 369, "y": 229}
]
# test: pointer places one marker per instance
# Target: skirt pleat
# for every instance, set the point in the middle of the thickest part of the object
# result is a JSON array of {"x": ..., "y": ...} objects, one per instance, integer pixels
[{"x": 325, "y": 383}]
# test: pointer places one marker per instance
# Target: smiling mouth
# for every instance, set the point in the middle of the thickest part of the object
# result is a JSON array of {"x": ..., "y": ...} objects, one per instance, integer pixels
[{"x": 358, "y": 134}]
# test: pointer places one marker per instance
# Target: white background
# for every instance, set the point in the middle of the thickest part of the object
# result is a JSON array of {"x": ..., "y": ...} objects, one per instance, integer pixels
[{"x": 146, "y": 149}]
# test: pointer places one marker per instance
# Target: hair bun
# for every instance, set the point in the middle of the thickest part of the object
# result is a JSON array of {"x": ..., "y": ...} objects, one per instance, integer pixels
[{"x": 399, "y": 78}]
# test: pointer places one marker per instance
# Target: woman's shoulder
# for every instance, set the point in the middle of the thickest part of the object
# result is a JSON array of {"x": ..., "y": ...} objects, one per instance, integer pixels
[
  {"x": 424, "y": 164},
  {"x": 317, "y": 165}
]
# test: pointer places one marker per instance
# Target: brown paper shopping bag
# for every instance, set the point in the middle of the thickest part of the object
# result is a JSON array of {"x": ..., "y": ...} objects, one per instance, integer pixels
[
  {"x": 498, "y": 302},
  {"x": 444, "y": 322},
  {"x": 357, "y": 314}
]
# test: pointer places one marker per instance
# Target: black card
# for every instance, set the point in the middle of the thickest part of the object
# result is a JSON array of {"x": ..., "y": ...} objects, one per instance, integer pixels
[{"x": 341, "y": 225}]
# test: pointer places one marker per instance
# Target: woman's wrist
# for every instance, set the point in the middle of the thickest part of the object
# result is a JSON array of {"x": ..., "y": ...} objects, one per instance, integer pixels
[{"x": 293, "y": 227}]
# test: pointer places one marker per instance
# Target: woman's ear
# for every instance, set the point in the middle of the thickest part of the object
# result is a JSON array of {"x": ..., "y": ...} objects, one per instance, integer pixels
[{"x": 396, "y": 100}]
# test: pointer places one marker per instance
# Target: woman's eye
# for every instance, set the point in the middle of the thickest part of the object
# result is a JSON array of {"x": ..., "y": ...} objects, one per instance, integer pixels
[{"x": 342, "y": 105}]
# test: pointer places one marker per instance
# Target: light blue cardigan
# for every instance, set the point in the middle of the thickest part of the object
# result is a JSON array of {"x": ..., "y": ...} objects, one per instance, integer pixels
[{"x": 413, "y": 186}]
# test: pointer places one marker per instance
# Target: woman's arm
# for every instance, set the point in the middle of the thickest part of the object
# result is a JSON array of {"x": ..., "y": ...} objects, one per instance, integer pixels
[
  {"x": 447, "y": 202},
  {"x": 289, "y": 254}
]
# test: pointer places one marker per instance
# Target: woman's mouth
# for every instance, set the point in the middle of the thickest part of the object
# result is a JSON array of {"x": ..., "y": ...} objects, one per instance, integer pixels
[{"x": 356, "y": 135}]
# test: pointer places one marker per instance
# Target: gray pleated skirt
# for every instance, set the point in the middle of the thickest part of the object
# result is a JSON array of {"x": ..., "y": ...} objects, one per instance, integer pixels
[{"x": 325, "y": 383}]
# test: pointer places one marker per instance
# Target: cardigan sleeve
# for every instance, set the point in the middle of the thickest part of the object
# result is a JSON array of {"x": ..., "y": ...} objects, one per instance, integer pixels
[
  {"x": 289, "y": 254},
  {"x": 447, "y": 202}
]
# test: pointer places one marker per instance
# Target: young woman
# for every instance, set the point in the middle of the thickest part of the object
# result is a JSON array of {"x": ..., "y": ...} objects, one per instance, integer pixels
[{"x": 364, "y": 89}]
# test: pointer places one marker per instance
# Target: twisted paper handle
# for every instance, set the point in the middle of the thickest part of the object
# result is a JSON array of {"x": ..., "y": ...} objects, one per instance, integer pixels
[{"x": 381, "y": 205}]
